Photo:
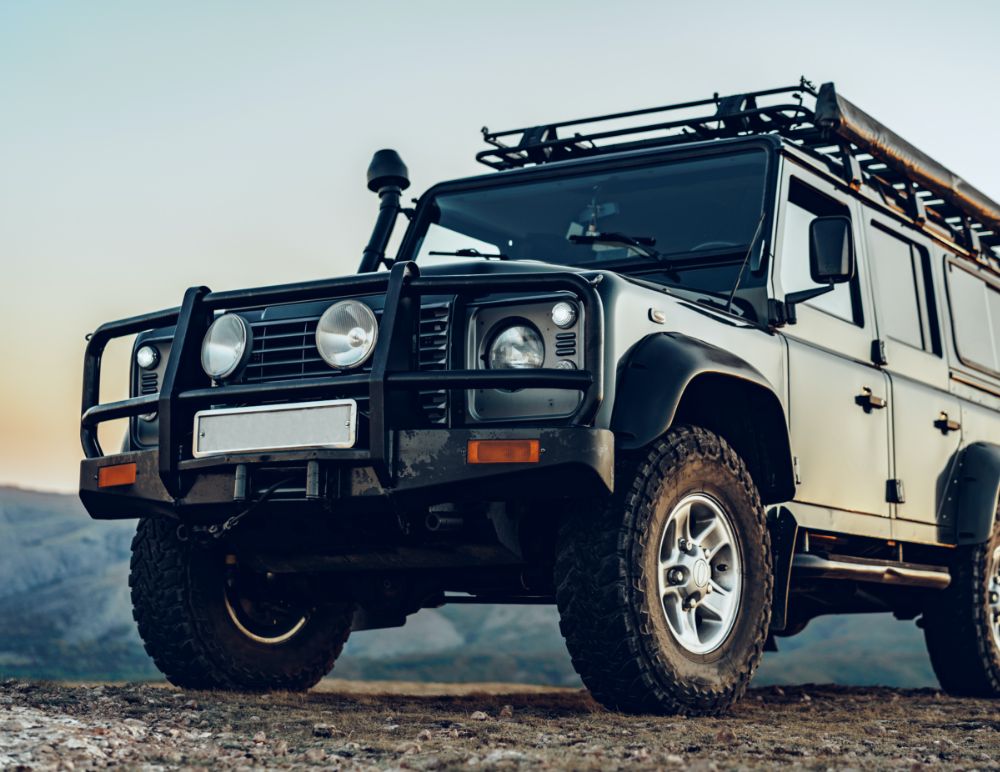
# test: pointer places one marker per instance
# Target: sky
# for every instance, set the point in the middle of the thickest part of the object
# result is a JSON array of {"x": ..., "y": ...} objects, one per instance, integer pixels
[{"x": 148, "y": 147}]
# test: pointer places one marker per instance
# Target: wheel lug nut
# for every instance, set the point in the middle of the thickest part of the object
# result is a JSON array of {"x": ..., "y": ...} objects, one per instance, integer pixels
[
  {"x": 994, "y": 598},
  {"x": 675, "y": 576},
  {"x": 689, "y": 602},
  {"x": 683, "y": 545}
]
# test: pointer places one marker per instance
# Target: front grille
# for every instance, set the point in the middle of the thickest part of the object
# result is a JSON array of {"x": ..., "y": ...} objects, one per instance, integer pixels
[
  {"x": 286, "y": 350},
  {"x": 434, "y": 326}
]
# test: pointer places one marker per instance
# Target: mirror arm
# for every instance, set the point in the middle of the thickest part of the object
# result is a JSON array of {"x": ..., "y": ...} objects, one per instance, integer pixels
[{"x": 792, "y": 298}]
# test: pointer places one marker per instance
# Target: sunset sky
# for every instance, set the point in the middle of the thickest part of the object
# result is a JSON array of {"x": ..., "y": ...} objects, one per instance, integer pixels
[{"x": 147, "y": 147}]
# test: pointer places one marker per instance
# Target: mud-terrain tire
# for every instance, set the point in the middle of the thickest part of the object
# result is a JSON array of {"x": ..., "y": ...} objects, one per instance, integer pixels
[
  {"x": 962, "y": 623},
  {"x": 189, "y": 627},
  {"x": 612, "y": 613}
]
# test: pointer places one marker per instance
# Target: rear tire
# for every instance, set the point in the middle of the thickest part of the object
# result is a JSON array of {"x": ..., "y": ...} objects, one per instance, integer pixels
[
  {"x": 962, "y": 623},
  {"x": 204, "y": 635},
  {"x": 620, "y": 576}
]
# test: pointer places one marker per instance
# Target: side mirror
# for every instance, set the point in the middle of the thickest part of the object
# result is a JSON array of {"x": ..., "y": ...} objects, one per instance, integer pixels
[
  {"x": 831, "y": 258},
  {"x": 831, "y": 250}
]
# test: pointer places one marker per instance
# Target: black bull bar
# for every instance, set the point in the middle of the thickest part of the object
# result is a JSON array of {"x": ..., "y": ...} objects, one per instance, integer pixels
[{"x": 185, "y": 388}]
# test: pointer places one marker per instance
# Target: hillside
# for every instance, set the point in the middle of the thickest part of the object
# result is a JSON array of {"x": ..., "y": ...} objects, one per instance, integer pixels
[{"x": 65, "y": 610}]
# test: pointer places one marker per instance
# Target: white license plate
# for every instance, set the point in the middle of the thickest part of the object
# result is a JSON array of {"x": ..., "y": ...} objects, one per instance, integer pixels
[{"x": 329, "y": 424}]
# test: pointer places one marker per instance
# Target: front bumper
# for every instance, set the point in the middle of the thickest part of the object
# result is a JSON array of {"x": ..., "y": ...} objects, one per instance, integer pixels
[
  {"x": 429, "y": 465},
  {"x": 394, "y": 458}
]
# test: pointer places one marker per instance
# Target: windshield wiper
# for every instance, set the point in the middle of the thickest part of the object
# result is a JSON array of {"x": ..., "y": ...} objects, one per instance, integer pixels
[
  {"x": 641, "y": 244},
  {"x": 470, "y": 252}
]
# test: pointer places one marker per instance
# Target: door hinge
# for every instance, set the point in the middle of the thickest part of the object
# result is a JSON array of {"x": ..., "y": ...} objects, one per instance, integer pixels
[
  {"x": 879, "y": 358},
  {"x": 894, "y": 493}
]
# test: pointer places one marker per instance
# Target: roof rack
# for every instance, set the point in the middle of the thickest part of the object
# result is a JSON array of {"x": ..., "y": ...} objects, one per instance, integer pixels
[{"x": 821, "y": 122}]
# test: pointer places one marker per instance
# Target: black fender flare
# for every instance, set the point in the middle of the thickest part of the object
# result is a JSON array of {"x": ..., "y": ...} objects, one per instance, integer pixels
[
  {"x": 652, "y": 381},
  {"x": 974, "y": 492}
]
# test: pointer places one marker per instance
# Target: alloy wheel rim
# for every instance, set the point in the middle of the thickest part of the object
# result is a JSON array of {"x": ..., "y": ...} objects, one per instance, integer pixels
[{"x": 699, "y": 573}]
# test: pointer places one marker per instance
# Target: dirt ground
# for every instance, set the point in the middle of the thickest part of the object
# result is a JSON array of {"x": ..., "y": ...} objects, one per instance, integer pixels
[{"x": 344, "y": 725}]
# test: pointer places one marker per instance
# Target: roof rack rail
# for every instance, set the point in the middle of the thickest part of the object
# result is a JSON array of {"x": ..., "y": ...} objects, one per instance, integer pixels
[{"x": 819, "y": 121}]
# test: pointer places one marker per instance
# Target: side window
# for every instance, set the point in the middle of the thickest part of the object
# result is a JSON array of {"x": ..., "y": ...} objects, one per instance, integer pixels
[
  {"x": 975, "y": 314},
  {"x": 905, "y": 290},
  {"x": 803, "y": 206}
]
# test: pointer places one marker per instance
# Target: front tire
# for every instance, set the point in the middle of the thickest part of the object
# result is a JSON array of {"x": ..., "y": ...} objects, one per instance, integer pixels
[
  {"x": 664, "y": 591},
  {"x": 962, "y": 623},
  {"x": 208, "y": 624}
]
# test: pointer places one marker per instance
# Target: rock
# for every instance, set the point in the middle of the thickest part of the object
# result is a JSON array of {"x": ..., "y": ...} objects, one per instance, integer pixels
[
  {"x": 407, "y": 747},
  {"x": 323, "y": 730},
  {"x": 424, "y": 735},
  {"x": 479, "y": 715},
  {"x": 673, "y": 759},
  {"x": 507, "y": 711},
  {"x": 727, "y": 736},
  {"x": 503, "y": 754},
  {"x": 314, "y": 755},
  {"x": 260, "y": 737}
]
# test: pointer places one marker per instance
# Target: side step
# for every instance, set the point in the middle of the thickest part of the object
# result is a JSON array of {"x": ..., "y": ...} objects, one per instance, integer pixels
[{"x": 880, "y": 571}]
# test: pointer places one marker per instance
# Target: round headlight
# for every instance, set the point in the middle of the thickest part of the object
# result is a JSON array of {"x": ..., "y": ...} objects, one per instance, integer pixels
[
  {"x": 518, "y": 347},
  {"x": 226, "y": 346},
  {"x": 346, "y": 334},
  {"x": 147, "y": 357},
  {"x": 563, "y": 314}
]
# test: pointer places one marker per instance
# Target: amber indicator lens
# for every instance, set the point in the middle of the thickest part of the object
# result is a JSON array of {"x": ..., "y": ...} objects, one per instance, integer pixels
[
  {"x": 504, "y": 451},
  {"x": 119, "y": 474}
]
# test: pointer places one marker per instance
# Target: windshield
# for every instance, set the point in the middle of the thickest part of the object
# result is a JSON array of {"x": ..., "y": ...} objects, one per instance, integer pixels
[{"x": 686, "y": 223}]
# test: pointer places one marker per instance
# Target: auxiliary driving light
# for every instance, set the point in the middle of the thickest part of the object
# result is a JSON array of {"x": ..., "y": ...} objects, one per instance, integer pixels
[
  {"x": 226, "y": 346},
  {"x": 346, "y": 334}
]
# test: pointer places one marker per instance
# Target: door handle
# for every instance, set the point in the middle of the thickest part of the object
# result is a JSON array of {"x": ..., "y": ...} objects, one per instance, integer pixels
[
  {"x": 946, "y": 424},
  {"x": 868, "y": 401}
]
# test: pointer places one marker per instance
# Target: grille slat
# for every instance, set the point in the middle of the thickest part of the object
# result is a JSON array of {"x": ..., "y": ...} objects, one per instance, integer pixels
[{"x": 433, "y": 337}]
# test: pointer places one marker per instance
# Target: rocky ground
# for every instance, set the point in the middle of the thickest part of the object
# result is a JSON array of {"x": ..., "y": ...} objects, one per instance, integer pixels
[{"x": 485, "y": 726}]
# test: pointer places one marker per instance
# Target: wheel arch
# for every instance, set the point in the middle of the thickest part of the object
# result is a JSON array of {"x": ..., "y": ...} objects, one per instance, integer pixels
[
  {"x": 670, "y": 378},
  {"x": 974, "y": 492}
]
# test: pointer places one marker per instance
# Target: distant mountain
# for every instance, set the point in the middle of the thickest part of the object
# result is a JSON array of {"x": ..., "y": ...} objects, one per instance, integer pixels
[{"x": 65, "y": 613}]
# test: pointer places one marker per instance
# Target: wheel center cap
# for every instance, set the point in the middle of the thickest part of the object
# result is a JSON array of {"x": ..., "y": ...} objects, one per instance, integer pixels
[{"x": 701, "y": 573}]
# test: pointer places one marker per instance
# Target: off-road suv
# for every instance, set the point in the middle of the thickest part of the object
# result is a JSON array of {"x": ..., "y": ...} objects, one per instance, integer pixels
[{"x": 696, "y": 374}]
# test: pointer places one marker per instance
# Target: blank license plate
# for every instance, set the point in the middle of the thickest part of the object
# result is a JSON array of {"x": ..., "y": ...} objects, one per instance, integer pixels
[{"x": 329, "y": 424}]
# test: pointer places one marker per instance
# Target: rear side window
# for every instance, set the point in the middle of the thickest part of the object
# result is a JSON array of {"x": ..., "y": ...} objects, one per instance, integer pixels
[
  {"x": 804, "y": 205},
  {"x": 975, "y": 315},
  {"x": 905, "y": 290}
]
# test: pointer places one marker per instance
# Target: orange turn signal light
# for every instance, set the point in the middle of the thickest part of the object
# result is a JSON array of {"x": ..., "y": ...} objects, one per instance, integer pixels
[
  {"x": 504, "y": 451},
  {"x": 119, "y": 474}
]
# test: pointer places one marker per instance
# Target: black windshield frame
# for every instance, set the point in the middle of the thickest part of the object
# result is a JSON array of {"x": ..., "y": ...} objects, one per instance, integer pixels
[{"x": 640, "y": 267}]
